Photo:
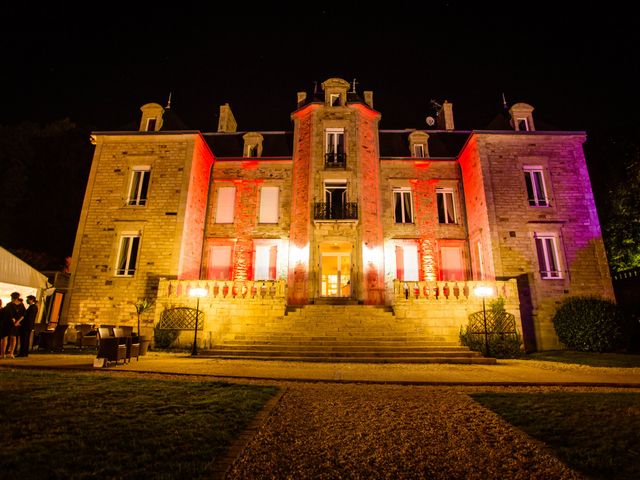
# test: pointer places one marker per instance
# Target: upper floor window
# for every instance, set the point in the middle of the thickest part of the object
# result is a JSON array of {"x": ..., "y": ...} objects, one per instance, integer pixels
[
  {"x": 446, "y": 205},
  {"x": 139, "y": 186},
  {"x": 226, "y": 204},
  {"x": 418, "y": 150},
  {"x": 403, "y": 205},
  {"x": 334, "y": 147},
  {"x": 252, "y": 151},
  {"x": 536, "y": 190},
  {"x": 334, "y": 99},
  {"x": 127, "y": 254},
  {"x": 523, "y": 124},
  {"x": 151, "y": 124},
  {"x": 269, "y": 205},
  {"x": 548, "y": 260}
]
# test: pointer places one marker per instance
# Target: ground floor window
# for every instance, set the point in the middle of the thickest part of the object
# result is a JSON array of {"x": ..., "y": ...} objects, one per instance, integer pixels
[
  {"x": 220, "y": 262},
  {"x": 451, "y": 263},
  {"x": 265, "y": 262},
  {"x": 407, "y": 262}
]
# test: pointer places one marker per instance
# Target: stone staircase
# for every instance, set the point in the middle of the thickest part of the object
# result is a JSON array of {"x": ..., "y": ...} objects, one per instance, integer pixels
[{"x": 343, "y": 333}]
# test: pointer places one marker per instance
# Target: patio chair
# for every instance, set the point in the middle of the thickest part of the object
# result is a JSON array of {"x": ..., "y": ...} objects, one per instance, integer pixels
[
  {"x": 110, "y": 348},
  {"x": 53, "y": 340},
  {"x": 87, "y": 335},
  {"x": 127, "y": 329},
  {"x": 132, "y": 342},
  {"x": 38, "y": 328}
]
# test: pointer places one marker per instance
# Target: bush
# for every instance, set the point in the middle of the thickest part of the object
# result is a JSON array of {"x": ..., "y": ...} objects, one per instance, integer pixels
[
  {"x": 164, "y": 338},
  {"x": 589, "y": 324}
]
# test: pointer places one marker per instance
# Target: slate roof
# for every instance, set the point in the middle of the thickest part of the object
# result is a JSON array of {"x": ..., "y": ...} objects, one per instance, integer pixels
[
  {"x": 395, "y": 143},
  {"x": 274, "y": 144}
]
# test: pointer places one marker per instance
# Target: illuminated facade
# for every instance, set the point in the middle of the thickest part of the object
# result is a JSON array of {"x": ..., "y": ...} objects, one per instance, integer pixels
[{"x": 338, "y": 211}]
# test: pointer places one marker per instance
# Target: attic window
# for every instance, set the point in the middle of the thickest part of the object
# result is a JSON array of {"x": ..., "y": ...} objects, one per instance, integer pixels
[
  {"x": 334, "y": 99},
  {"x": 418, "y": 150},
  {"x": 151, "y": 124},
  {"x": 523, "y": 124},
  {"x": 252, "y": 150}
]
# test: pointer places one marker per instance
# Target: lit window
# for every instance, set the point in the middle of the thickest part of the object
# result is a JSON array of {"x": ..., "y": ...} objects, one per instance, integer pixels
[
  {"x": 151, "y": 124},
  {"x": 269, "y": 205},
  {"x": 407, "y": 262},
  {"x": 523, "y": 124},
  {"x": 403, "y": 205},
  {"x": 226, "y": 204},
  {"x": 446, "y": 205},
  {"x": 334, "y": 99},
  {"x": 139, "y": 186},
  {"x": 547, "y": 250},
  {"x": 334, "y": 146},
  {"x": 452, "y": 267},
  {"x": 127, "y": 255},
  {"x": 220, "y": 262},
  {"x": 536, "y": 190},
  {"x": 265, "y": 262},
  {"x": 418, "y": 150}
]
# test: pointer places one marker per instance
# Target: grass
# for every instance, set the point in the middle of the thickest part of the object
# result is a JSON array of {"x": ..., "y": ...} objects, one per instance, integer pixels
[
  {"x": 597, "y": 434},
  {"x": 78, "y": 426},
  {"x": 621, "y": 360}
]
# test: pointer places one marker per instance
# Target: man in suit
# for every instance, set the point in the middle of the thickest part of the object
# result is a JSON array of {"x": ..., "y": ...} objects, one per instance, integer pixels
[{"x": 26, "y": 327}]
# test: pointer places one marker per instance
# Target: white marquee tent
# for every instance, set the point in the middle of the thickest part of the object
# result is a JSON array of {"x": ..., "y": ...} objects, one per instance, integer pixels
[{"x": 18, "y": 276}]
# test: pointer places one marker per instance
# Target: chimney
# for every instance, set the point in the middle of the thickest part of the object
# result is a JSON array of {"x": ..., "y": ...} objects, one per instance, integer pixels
[
  {"x": 445, "y": 116},
  {"x": 368, "y": 98},
  {"x": 151, "y": 120},
  {"x": 302, "y": 96},
  {"x": 226, "y": 122}
]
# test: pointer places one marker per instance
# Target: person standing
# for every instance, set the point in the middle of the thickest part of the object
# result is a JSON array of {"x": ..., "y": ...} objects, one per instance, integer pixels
[
  {"x": 10, "y": 323},
  {"x": 26, "y": 326}
]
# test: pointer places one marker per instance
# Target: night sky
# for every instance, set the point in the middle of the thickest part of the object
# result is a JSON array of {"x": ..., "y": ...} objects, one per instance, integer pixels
[
  {"x": 97, "y": 65},
  {"x": 578, "y": 68}
]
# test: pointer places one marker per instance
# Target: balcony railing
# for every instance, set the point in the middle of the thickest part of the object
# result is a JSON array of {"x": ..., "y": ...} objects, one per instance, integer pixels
[
  {"x": 335, "y": 160},
  {"x": 327, "y": 211}
]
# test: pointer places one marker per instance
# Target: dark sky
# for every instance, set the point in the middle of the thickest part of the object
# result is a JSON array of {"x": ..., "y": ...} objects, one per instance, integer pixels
[{"x": 579, "y": 70}]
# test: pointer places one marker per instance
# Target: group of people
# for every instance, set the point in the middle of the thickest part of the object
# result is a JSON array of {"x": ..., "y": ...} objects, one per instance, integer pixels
[{"x": 17, "y": 321}]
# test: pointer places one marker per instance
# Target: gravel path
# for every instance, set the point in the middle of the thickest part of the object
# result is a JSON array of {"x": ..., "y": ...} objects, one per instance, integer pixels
[{"x": 328, "y": 431}]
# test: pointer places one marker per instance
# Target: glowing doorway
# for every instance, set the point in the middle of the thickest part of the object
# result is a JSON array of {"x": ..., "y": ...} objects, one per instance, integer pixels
[{"x": 335, "y": 270}]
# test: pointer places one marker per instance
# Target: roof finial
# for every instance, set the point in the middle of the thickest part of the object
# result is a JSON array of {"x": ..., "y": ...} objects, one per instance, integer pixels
[
  {"x": 504, "y": 101},
  {"x": 353, "y": 90},
  {"x": 168, "y": 107}
]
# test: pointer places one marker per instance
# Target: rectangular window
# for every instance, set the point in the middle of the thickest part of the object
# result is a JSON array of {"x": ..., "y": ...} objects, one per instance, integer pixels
[
  {"x": 403, "y": 205},
  {"x": 446, "y": 205},
  {"x": 407, "y": 262},
  {"x": 265, "y": 265},
  {"x": 452, "y": 267},
  {"x": 536, "y": 190},
  {"x": 220, "y": 262},
  {"x": 547, "y": 251},
  {"x": 127, "y": 254},
  {"x": 226, "y": 204},
  {"x": 334, "y": 141},
  {"x": 269, "y": 205},
  {"x": 151, "y": 124},
  {"x": 418, "y": 150},
  {"x": 523, "y": 124},
  {"x": 334, "y": 99},
  {"x": 139, "y": 186}
]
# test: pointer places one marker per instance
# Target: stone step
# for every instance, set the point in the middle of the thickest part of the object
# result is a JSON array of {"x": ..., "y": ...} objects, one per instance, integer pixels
[
  {"x": 332, "y": 352},
  {"x": 340, "y": 348},
  {"x": 388, "y": 359},
  {"x": 289, "y": 337},
  {"x": 348, "y": 343}
]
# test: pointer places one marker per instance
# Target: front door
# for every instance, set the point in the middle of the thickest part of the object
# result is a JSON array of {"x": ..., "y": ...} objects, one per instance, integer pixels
[{"x": 335, "y": 274}]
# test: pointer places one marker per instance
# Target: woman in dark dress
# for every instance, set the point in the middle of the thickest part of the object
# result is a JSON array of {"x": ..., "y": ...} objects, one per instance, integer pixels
[{"x": 9, "y": 326}]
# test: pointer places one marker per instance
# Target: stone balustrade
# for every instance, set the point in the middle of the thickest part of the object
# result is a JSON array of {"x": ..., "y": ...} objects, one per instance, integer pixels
[
  {"x": 224, "y": 289},
  {"x": 452, "y": 291}
]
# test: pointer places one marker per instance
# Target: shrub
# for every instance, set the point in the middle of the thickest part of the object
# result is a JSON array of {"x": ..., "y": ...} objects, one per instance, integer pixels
[
  {"x": 163, "y": 338},
  {"x": 589, "y": 324}
]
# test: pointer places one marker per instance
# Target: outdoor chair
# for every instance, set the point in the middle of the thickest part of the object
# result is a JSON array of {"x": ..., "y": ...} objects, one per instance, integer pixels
[
  {"x": 53, "y": 340},
  {"x": 132, "y": 342},
  {"x": 87, "y": 335},
  {"x": 126, "y": 329},
  {"x": 110, "y": 348},
  {"x": 38, "y": 328}
]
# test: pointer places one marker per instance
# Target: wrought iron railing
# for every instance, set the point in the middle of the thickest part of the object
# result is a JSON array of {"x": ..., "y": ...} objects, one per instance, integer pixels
[
  {"x": 335, "y": 160},
  {"x": 181, "y": 318},
  {"x": 327, "y": 211}
]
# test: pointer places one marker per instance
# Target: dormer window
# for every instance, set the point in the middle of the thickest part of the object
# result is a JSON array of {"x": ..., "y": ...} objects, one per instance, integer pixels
[
  {"x": 418, "y": 150},
  {"x": 523, "y": 125},
  {"x": 252, "y": 151},
  {"x": 419, "y": 144},
  {"x": 151, "y": 124},
  {"x": 334, "y": 99},
  {"x": 151, "y": 120},
  {"x": 252, "y": 144},
  {"x": 522, "y": 117}
]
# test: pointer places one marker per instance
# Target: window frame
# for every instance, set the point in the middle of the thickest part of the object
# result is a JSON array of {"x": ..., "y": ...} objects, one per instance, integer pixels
[
  {"x": 442, "y": 192},
  {"x": 152, "y": 123},
  {"x": 217, "y": 219},
  {"x": 334, "y": 97},
  {"x": 138, "y": 201},
  {"x": 526, "y": 123},
  {"x": 546, "y": 240},
  {"x": 531, "y": 179},
  {"x": 129, "y": 270},
  {"x": 261, "y": 219},
  {"x": 402, "y": 191},
  {"x": 421, "y": 153}
]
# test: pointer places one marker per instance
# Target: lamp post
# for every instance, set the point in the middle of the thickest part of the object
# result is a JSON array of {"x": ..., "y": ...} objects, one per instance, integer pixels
[
  {"x": 483, "y": 292},
  {"x": 197, "y": 292}
]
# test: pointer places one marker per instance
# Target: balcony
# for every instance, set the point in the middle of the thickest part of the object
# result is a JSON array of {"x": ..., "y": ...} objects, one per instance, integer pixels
[
  {"x": 335, "y": 160},
  {"x": 327, "y": 211}
]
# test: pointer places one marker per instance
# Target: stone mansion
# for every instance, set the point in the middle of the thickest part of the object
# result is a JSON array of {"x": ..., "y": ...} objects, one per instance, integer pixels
[{"x": 336, "y": 212}]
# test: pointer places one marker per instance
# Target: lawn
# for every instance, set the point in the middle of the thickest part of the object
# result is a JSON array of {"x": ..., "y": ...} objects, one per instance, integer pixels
[
  {"x": 70, "y": 425},
  {"x": 597, "y": 434},
  {"x": 622, "y": 360}
]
